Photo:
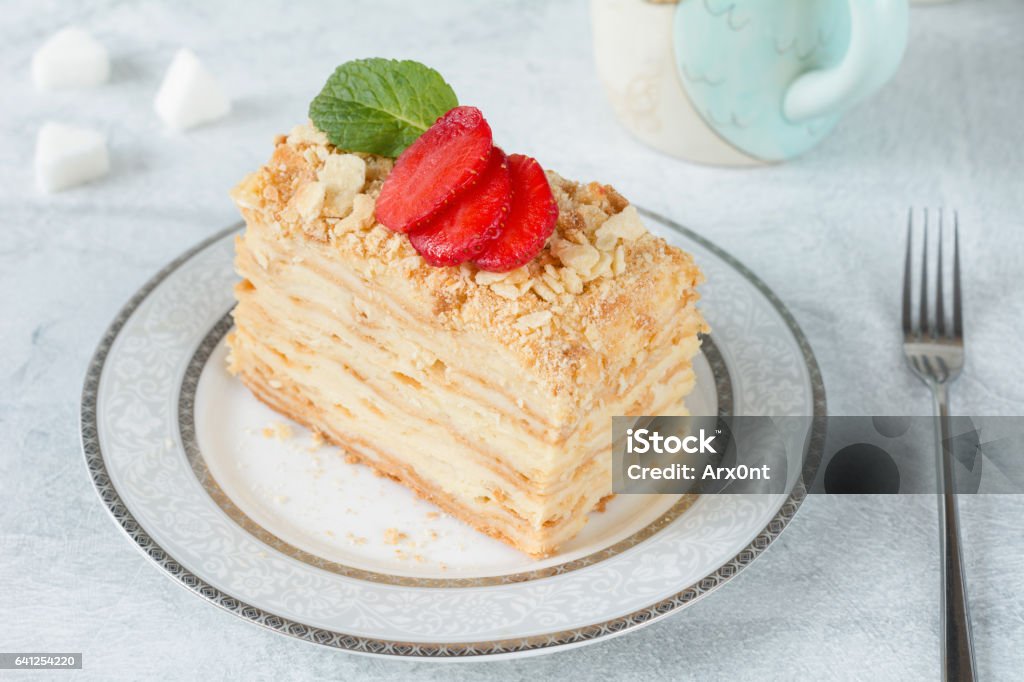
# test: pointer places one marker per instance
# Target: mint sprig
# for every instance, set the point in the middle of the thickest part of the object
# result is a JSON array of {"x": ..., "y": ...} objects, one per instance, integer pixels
[{"x": 380, "y": 106}]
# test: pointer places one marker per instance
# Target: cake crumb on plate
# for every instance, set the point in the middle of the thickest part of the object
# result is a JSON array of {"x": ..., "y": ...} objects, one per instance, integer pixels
[
  {"x": 393, "y": 536},
  {"x": 278, "y": 430}
]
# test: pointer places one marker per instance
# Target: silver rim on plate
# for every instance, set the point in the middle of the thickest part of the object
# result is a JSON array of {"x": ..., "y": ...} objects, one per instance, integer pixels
[
  {"x": 190, "y": 443},
  {"x": 126, "y": 521}
]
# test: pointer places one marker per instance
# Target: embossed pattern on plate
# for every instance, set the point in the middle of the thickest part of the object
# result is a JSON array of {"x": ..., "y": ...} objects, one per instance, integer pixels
[{"x": 131, "y": 442}]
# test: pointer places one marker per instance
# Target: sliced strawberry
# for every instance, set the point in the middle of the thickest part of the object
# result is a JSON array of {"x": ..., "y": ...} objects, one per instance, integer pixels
[
  {"x": 464, "y": 227},
  {"x": 443, "y": 162},
  {"x": 531, "y": 218}
]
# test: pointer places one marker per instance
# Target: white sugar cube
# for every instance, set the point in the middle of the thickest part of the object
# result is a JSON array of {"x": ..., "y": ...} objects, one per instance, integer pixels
[
  {"x": 71, "y": 58},
  {"x": 67, "y": 156},
  {"x": 189, "y": 95}
]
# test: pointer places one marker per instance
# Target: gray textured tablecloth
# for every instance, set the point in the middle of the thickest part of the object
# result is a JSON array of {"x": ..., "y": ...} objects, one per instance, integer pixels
[{"x": 851, "y": 588}]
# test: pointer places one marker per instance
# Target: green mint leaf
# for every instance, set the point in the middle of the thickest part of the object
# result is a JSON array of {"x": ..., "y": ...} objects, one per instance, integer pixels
[{"x": 380, "y": 106}]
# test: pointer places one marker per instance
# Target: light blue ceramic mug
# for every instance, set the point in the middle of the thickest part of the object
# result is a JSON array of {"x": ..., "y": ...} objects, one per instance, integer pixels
[{"x": 743, "y": 81}]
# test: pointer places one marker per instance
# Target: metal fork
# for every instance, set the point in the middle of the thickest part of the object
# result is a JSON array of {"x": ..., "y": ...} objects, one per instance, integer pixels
[{"x": 935, "y": 353}]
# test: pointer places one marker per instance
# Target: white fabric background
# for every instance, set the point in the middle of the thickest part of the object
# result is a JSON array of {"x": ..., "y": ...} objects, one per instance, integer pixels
[{"x": 849, "y": 591}]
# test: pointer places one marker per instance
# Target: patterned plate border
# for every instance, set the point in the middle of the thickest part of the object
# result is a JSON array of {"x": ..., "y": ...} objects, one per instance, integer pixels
[{"x": 149, "y": 547}]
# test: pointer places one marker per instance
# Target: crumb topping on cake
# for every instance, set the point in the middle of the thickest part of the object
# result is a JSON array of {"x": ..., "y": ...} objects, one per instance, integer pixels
[{"x": 566, "y": 312}]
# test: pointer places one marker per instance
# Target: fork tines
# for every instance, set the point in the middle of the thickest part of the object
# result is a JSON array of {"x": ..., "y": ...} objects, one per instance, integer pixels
[{"x": 934, "y": 325}]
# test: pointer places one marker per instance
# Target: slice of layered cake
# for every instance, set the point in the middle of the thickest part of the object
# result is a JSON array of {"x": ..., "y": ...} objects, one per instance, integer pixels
[{"x": 488, "y": 393}]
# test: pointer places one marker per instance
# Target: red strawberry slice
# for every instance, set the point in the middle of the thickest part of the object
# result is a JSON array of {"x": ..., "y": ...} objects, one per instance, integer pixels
[
  {"x": 443, "y": 162},
  {"x": 464, "y": 227},
  {"x": 531, "y": 218}
]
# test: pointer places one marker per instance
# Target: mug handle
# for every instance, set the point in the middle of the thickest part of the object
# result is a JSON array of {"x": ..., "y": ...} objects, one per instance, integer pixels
[{"x": 878, "y": 36}]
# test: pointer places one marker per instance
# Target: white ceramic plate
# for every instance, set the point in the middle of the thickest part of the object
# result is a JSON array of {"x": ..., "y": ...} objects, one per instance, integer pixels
[{"x": 290, "y": 536}]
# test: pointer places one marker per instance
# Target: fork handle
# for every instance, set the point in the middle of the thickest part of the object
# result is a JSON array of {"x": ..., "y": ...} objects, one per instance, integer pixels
[{"x": 958, "y": 645}]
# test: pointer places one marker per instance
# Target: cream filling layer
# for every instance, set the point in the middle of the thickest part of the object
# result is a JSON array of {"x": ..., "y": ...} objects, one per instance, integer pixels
[{"x": 373, "y": 371}]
